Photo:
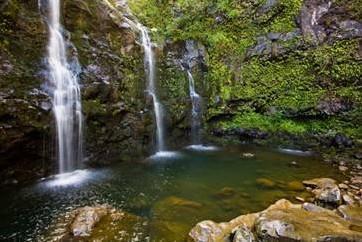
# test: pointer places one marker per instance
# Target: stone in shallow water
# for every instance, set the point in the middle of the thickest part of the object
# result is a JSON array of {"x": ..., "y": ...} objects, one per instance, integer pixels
[
  {"x": 206, "y": 231},
  {"x": 295, "y": 186},
  {"x": 325, "y": 190},
  {"x": 86, "y": 219},
  {"x": 97, "y": 223},
  {"x": 265, "y": 182},
  {"x": 225, "y": 192}
]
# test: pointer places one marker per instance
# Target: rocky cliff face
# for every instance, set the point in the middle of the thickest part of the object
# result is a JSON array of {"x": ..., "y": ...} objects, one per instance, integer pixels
[{"x": 279, "y": 66}]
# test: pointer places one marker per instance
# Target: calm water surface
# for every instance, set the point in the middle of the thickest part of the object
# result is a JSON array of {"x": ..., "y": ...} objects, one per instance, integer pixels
[{"x": 169, "y": 194}]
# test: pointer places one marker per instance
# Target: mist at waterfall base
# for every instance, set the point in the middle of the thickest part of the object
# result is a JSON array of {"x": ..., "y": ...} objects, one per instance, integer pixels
[
  {"x": 65, "y": 91},
  {"x": 149, "y": 190}
]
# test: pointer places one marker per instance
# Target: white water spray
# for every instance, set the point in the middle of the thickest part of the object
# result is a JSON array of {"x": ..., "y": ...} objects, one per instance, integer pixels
[{"x": 66, "y": 97}]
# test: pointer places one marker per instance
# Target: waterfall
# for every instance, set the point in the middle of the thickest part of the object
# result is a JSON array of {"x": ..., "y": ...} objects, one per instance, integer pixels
[
  {"x": 65, "y": 93},
  {"x": 149, "y": 63},
  {"x": 196, "y": 113}
]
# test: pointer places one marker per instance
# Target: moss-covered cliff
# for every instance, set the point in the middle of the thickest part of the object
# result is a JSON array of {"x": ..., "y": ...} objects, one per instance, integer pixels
[{"x": 280, "y": 66}]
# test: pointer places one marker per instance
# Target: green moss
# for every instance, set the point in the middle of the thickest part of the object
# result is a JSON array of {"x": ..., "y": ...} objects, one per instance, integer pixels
[{"x": 278, "y": 123}]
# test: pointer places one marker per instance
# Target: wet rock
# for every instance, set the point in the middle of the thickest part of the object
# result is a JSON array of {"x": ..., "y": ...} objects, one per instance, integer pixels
[
  {"x": 356, "y": 180},
  {"x": 311, "y": 207},
  {"x": 206, "y": 231},
  {"x": 333, "y": 106},
  {"x": 267, "y": 6},
  {"x": 311, "y": 12},
  {"x": 343, "y": 186},
  {"x": 225, "y": 192},
  {"x": 343, "y": 168},
  {"x": 325, "y": 190},
  {"x": 194, "y": 55},
  {"x": 348, "y": 29},
  {"x": 243, "y": 234},
  {"x": 266, "y": 183},
  {"x": 358, "y": 156},
  {"x": 86, "y": 219},
  {"x": 248, "y": 155},
  {"x": 342, "y": 141},
  {"x": 348, "y": 199},
  {"x": 282, "y": 221},
  {"x": 291, "y": 223},
  {"x": 351, "y": 213},
  {"x": 294, "y": 164}
]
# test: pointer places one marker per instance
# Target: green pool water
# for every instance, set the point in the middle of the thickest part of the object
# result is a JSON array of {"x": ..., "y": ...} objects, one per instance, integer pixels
[{"x": 168, "y": 194}]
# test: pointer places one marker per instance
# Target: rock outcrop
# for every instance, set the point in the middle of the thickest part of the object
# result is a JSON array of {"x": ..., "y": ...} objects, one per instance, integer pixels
[{"x": 282, "y": 221}]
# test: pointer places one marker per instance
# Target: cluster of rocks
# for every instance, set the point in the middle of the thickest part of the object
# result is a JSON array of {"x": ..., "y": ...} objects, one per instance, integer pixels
[{"x": 331, "y": 215}]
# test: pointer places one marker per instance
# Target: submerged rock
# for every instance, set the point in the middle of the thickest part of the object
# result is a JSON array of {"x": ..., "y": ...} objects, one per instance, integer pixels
[
  {"x": 266, "y": 183},
  {"x": 295, "y": 186}
]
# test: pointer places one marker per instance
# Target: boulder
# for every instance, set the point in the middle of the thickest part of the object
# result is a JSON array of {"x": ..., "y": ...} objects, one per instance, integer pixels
[
  {"x": 325, "y": 190},
  {"x": 243, "y": 234},
  {"x": 282, "y": 221},
  {"x": 292, "y": 223},
  {"x": 207, "y": 231},
  {"x": 86, "y": 218}
]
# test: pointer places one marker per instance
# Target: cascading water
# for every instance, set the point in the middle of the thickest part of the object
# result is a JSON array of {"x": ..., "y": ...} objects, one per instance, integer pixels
[
  {"x": 196, "y": 110},
  {"x": 65, "y": 92},
  {"x": 151, "y": 88},
  {"x": 149, "y": 63}
]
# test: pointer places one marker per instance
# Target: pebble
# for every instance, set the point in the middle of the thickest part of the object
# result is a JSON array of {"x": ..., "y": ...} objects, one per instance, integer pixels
[
  {"x": 356, "y": 180},
  {"x": 347, "y": 199},
  {"x": 248, "y": 155},
  {"x": 343, "y": 168},
  {"x": 354, "y": 187},
  {"x": 343, "y": 186}
]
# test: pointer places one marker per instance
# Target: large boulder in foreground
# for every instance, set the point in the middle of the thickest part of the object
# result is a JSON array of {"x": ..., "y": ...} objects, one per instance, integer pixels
[{"x": 282, "y": 221}]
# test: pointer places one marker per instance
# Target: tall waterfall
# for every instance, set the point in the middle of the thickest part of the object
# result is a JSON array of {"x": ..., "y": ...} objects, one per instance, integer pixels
[
  {"x": 65, "y": 92},
  {"x": 149, "y": 62},
  {"x": 196, "y": 110}
]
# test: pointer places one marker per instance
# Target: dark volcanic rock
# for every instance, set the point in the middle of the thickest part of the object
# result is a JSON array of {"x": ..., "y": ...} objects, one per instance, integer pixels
[{"x": 342, "y": 141}]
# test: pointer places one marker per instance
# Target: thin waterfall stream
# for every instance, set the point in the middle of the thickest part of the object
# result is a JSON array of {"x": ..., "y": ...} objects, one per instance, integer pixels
[
  {"x": 65, "y": 92},
  {"x": 149, "y": 62},
  {"x": 149, "y": 66},
  {"x": 196, "y": 111}
]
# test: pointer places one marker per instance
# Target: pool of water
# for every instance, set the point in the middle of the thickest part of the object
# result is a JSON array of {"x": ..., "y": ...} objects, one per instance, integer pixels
[{"x": 169, "y": 192}]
